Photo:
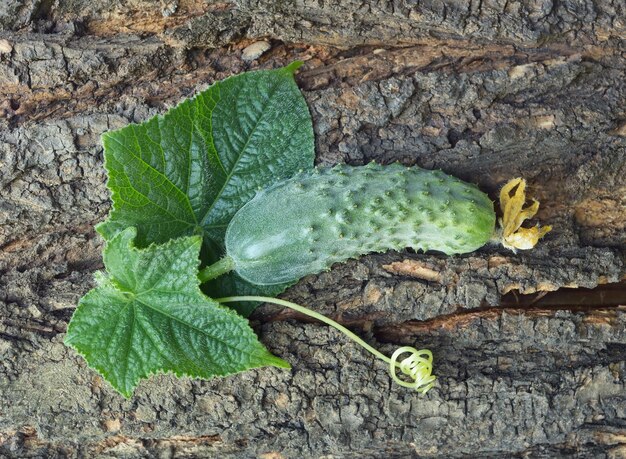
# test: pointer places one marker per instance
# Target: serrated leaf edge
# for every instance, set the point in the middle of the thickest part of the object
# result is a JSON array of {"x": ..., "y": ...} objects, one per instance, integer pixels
[{"x": 101, "y": 278}]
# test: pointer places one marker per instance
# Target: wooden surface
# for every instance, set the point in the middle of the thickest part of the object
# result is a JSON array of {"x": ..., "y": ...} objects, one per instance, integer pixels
[{"x": 486, "y": 91}]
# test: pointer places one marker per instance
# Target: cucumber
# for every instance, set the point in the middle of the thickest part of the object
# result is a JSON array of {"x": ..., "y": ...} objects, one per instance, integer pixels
[{"x": 303, "y": 225}]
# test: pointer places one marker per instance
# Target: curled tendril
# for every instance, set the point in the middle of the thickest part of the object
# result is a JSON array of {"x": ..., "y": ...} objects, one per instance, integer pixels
[{"x": 418, "y": 367}]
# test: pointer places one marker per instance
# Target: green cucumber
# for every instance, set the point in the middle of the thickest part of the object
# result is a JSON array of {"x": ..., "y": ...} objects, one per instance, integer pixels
[{"x": 303, "y": 225}]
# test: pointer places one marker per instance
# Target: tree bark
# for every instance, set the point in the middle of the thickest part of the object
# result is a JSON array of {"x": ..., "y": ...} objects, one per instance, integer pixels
[{"x": 486, "y": 91}]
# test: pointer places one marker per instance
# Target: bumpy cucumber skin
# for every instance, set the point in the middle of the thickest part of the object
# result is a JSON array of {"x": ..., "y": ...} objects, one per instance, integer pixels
[{"x": 305, "y": 224}]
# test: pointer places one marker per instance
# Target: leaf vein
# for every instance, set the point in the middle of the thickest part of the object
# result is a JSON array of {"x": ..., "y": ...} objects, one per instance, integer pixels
[
  {"x": 139, "y": 158},
  {"x": 241, "y": 153}
]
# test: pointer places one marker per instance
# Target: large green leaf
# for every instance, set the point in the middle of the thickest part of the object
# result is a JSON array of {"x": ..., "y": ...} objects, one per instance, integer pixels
[
  {"x": 148, "y": 315},
  {"x": 190, "y": 170}
]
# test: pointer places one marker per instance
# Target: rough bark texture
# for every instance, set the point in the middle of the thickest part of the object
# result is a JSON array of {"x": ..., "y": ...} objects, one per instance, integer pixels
[{"x": 483, "y": 90}]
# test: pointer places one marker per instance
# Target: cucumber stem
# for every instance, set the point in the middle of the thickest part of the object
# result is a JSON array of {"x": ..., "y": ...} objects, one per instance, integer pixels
[
  {"x": 221, "y": 266},
  {"x": 418, "y": 366}
]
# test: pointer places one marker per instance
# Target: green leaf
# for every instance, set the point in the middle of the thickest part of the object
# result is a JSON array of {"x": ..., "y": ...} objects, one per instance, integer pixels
[
  {"x": 194, "y": 167},
  {"x": 189, "y": 171},
  {"x": 148, "y": 315}
]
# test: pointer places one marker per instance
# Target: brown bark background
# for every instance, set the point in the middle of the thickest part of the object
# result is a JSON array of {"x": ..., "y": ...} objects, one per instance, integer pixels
[{"x": 485, "y": 90}]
